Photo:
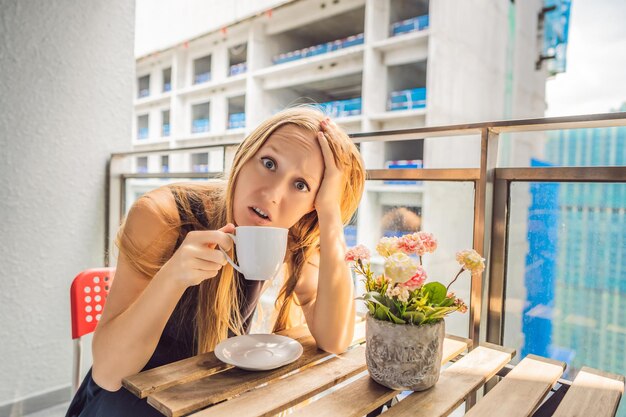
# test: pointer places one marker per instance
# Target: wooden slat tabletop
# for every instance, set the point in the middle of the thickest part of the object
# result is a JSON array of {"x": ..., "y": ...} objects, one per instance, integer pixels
[
  {"x": 278, "y": 396},
  {"x": 357, "y": 399},
  {"x": 175, "y": 396},
  {"x": 365, "y": 395},
  {"x": 204, "y": 387},
  {"x": 190, "y": 369},
  {"x": 522, "y": 390},
  {"x": 455, "y": 383},
  {"x": 593, "y": 393},
  {"x": 191, "y": 396}
]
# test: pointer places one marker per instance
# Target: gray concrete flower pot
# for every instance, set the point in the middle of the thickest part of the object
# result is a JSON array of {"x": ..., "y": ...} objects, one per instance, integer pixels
[{"x": 404, "y": 356}]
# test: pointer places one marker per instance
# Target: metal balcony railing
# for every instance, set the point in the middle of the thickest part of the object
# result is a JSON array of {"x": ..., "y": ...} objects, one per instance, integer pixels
[{"x": 492, "y": 193}]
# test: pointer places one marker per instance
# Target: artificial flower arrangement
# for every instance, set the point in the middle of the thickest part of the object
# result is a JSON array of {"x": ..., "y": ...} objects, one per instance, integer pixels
[{"x": 401, "y": 295}]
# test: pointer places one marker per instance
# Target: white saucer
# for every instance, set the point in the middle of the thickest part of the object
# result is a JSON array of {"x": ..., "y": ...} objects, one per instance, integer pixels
[{"x": 258, "y": 352}]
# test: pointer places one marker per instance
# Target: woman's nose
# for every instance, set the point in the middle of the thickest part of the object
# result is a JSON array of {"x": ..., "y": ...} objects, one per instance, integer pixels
[{"x": 275, "y": 192}]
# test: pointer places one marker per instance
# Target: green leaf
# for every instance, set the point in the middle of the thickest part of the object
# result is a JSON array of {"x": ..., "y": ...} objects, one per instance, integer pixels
[
  {"x": 374, "y": 297},
  {"x": 448, "y": 302},
  {"x": 400, "y": 307},
  {"x": 395, "y": 319},
  {"x": 380, "y": 312},
  {"x": 414, "y": 317},
  {"x": 436, "y": 313},
  {"x": 436, "y": 291},
  {"x": 372, "y": 302},
  {"x": 380, "y": 298}
]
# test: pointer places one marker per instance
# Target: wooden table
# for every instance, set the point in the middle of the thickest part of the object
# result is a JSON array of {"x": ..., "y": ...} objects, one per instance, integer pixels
[{"x": 203, "y": 386}]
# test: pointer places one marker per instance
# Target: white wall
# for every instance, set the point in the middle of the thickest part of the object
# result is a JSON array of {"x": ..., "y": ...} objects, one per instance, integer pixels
[{"x": 66, "y": 77}]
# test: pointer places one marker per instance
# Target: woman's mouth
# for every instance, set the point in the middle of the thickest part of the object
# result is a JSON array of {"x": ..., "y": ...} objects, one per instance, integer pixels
[{"x": 259, "y": 213}]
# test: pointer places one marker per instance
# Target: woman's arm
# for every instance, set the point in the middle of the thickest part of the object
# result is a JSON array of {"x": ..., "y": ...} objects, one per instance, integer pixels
[
  {"x": 139, "y": 306},
  {"x": 326, "y": 293}
]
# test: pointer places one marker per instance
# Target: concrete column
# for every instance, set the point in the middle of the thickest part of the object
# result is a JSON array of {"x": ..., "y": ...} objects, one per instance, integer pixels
[
  {"x": 178, "y": 111},
  {"x": 374, "y": 90},
  {"x": 256, "y": 110}
]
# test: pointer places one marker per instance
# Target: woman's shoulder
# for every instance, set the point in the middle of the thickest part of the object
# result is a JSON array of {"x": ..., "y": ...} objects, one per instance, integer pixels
[
  {"x": 159, "y": 203},
  {"x": 204, "y": 191},
  {"x": 159, "y": 210},
  {"x": 151, "y": 217},
  {"x": 165, "y": 198}
]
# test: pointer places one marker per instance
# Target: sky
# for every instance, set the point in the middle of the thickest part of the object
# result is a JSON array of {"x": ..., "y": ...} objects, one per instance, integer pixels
[
  {"x": 160, "y": 24},
  {"x": 595, "y": 80}
]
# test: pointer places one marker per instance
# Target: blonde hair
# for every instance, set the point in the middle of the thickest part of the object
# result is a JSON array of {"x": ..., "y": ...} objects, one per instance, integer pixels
[{"x": 217, "y": 308}]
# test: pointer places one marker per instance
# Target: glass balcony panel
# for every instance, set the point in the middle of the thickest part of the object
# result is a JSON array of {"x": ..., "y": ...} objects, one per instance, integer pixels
[
  {"x": 566, "y": 274},
  {"x": 236, "y": 120},
  {"x": 141, "y": 164},
  {"x": 167, "y": 80},
  {"x": 237, "y": 56},
  {"x": 412, "y": 24},
  {"x": 143, "y": 130},
  {"x": 445, "y": 209},
  {"x": 408, "y": 16},
  {"x": 143, "y": 86},
  {"x": 305, "y": 41},
  {"x": 202, "y": 70},
  {"x": 236, "y": 112},
  {"x": 591, "y": 147},
  {"x": 200, "y": 113}
]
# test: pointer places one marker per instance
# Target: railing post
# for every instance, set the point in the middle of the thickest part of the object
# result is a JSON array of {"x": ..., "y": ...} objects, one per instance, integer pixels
[
  {"x": 115, "y": 167},
  {"x": 497, "y": 261},
  {"x": 483, "y": 205}
]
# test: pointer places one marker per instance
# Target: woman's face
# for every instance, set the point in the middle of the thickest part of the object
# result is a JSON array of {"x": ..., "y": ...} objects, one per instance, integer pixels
[{"x": 278, "y": 185}]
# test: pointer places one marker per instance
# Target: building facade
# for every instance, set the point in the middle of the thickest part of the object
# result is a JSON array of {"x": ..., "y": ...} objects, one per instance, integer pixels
[
  {"x": 371, "y": 64},
  {"x": 588, "y": 324}
]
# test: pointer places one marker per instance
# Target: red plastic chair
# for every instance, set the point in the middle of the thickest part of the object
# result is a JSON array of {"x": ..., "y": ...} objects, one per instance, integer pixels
[{"x": 88, "y": 294}]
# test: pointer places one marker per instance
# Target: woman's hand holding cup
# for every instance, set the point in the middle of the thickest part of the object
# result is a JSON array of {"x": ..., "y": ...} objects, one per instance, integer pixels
[
  {"x": 260, "y": 251},
  {"x": 198, "y": 258}
]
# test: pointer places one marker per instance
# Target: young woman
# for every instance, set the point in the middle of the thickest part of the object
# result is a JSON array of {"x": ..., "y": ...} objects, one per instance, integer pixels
[{"x": 175, "y": 296}]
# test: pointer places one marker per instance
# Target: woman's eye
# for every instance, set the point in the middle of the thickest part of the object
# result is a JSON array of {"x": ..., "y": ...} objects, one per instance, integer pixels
[
  {"x": 268, "y": 163},
  {"x": 302, "y": 186}
]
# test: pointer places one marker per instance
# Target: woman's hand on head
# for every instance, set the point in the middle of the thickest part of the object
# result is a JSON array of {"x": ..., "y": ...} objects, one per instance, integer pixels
[
  {"x": 198, "y": 258},
  {"x": 329, "y": 194}
]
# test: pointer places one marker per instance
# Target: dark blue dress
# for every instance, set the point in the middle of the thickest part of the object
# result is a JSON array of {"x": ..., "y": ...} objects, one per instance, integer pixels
[{"x": 176, "y": 343}]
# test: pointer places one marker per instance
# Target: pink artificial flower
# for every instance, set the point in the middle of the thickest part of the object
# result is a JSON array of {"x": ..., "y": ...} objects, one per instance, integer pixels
[
  {"x": 411, "y": 244},
  {"x": 417, "y": 243},
  {"x": 416, "y": 280},
  {"x": 358, "y": 253},
  {"x": 460, "y": 305},
  {"x": 428, "y": 242}
]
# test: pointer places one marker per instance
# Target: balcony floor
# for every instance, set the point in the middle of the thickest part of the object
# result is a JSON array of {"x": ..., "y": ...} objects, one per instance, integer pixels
[{"x": 56, "y": 411}]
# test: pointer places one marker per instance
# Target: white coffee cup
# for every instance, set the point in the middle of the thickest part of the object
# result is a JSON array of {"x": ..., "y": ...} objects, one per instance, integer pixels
[{"x": 260, "y": 251}]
